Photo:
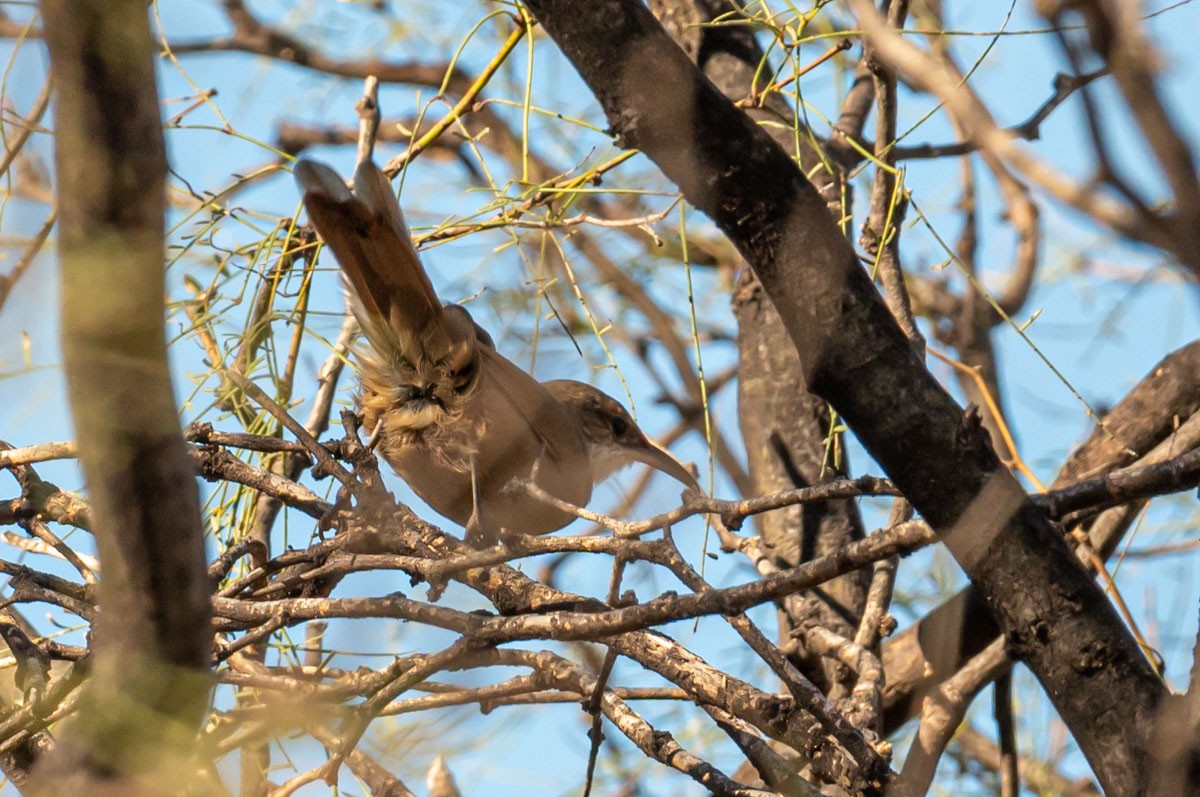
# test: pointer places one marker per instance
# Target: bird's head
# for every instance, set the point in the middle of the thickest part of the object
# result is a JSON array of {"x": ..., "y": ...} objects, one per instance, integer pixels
[{"x": 614, "y": 439}]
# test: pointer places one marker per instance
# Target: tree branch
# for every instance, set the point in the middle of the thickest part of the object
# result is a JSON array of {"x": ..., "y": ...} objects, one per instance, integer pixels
[
  {"x": 149, "y": 685},
  {"x": 855, "y": 356}
]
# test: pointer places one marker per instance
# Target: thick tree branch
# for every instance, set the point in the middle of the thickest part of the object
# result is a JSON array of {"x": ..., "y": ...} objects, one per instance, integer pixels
[
  {"x": 787, "y": 434},
  {"x": 855, "y": 356},
  {"x": 149, "y": 685},
  {"x": 934, "y": 648}
]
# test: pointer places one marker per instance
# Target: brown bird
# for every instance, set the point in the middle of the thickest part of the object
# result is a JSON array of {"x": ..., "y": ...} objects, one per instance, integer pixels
[{"x": 455, "y": 418}]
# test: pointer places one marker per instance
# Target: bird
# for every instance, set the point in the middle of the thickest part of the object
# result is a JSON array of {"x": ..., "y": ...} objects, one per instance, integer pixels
[{"x": 452, "y": 416}]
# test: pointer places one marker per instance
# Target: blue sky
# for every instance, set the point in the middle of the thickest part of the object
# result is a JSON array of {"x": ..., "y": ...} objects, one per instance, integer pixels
[{"x": 1108, "y": 311}]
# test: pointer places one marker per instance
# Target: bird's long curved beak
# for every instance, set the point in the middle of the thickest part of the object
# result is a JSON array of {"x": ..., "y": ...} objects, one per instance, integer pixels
[{"x": 663, "y": 460}]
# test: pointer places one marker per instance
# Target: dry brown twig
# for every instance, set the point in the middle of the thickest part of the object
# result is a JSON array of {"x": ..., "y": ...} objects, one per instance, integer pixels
[{"x": 260, "y": 591}]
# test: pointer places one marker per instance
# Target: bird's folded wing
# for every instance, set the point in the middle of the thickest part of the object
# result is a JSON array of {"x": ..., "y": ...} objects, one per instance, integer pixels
[{"x": 526, "y": 398}]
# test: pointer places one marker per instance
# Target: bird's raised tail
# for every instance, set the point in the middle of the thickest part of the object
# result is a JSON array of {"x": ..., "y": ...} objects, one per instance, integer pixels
[{"x": 391, "y": 294}]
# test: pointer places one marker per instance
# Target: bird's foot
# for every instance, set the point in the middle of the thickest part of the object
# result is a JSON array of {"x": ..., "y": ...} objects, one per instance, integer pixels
[{"x": 477, "y": 536}]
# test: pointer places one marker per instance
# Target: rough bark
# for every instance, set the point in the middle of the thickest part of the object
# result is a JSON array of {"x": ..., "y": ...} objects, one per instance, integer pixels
[
  {"x": 935, "y": 647},
  {"x": 854, "y": 355},
  {"x": 784, "y": 431}
]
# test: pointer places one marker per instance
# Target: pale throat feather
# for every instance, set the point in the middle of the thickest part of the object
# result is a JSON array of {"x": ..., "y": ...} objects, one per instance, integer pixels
[{"x": 607, "y": 460}]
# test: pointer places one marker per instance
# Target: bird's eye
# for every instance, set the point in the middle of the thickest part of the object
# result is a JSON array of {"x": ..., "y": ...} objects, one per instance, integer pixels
[{"x": 619, "y": 426}]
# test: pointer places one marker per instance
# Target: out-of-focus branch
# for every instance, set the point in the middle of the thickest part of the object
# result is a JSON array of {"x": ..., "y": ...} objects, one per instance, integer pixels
[
  {"x": 965, "y": 322},
  {"x": 14, "y": 145},
  {"x": 1115, "y": 32},
  {"x": 1177, "y": 738},
  {"x": 943, "y": 711},
  {"x": 1163, "y": 231},
  {"x": 1063, "y": 87},
  {"x": 855, "y": 355},
  {"x": 9, "y": 281},
  {"x": 149, "y": 684},
  {"x": 1040, "y": 776},
  {"x": 251, "y": 35}
]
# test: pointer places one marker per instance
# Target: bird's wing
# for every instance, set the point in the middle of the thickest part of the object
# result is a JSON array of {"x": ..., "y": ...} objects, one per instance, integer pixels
[{"x": 524, "y": 397}]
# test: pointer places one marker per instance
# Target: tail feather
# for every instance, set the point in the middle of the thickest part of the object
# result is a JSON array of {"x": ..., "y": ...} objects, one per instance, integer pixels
[{"x": 366, "y": 231}]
